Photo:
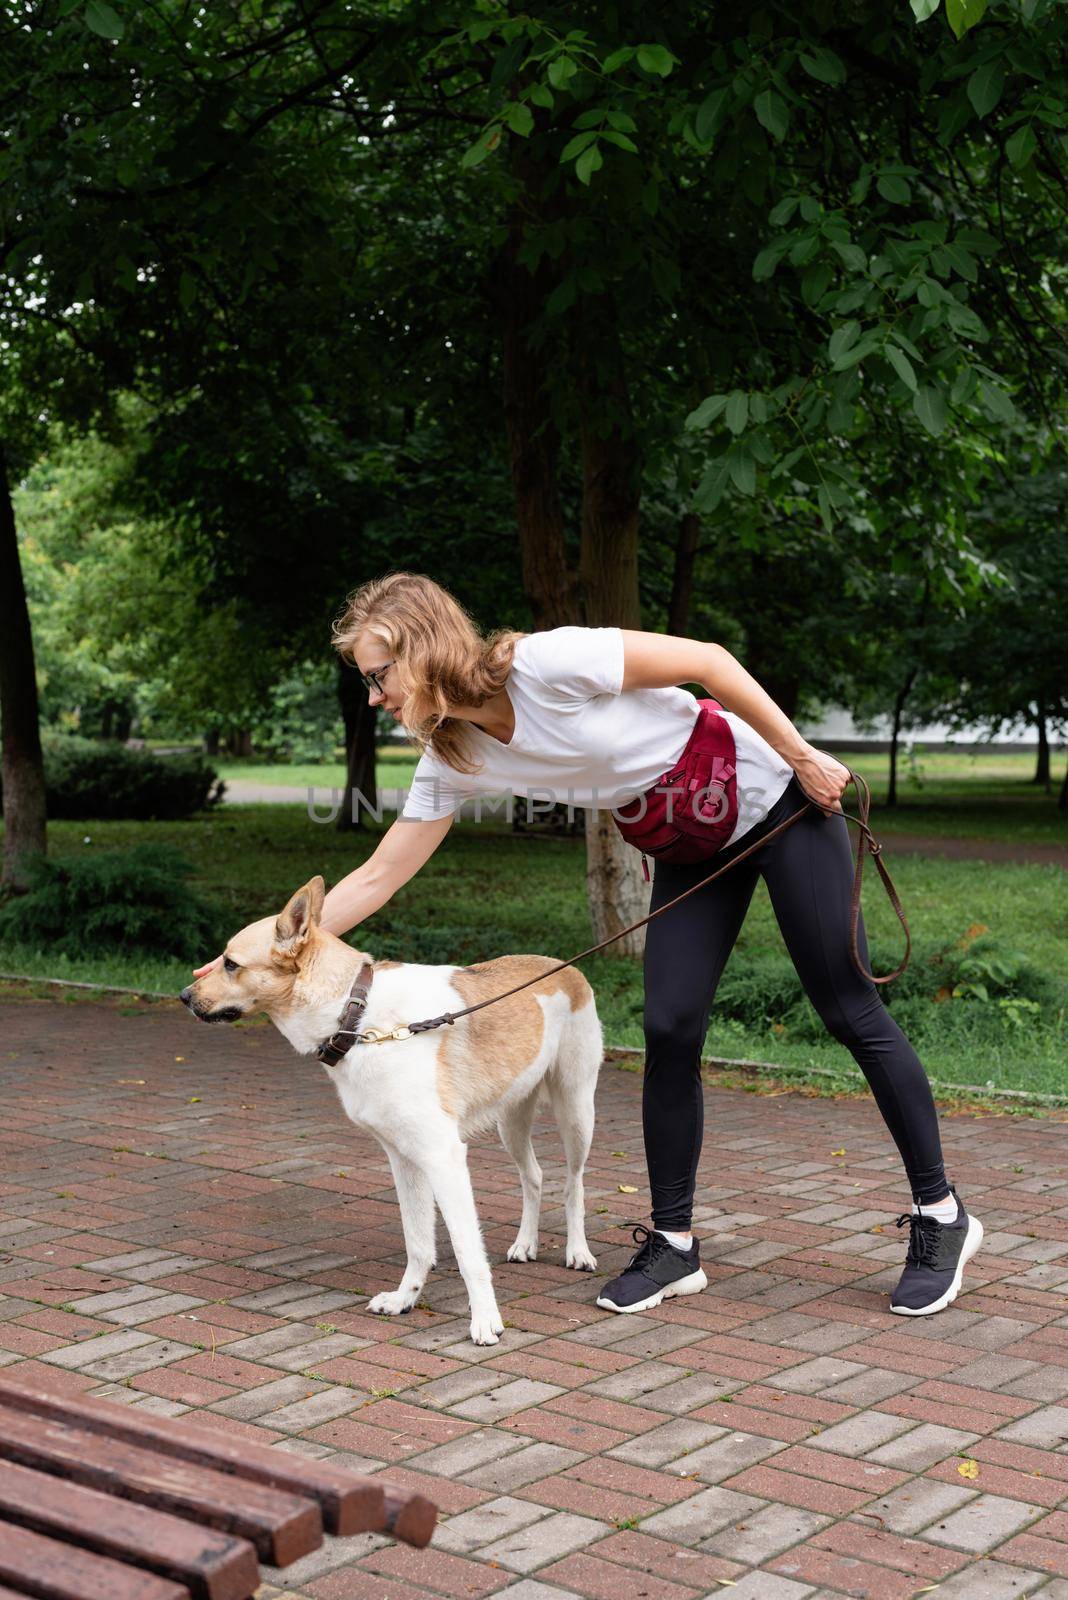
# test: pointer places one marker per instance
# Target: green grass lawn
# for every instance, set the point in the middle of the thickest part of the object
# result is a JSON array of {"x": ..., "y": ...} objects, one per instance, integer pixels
[{"x": 488, "y": 891}]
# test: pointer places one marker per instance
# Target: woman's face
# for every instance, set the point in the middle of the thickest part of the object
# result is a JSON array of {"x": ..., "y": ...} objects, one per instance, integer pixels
[{"x": 372, "y": 656}]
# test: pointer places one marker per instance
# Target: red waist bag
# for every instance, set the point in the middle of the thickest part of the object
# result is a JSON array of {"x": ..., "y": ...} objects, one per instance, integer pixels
[{"x": 691, "y": 810}]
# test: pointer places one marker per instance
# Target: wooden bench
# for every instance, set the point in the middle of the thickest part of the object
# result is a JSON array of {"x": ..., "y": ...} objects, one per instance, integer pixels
[{"x": 100, "y": 1502}]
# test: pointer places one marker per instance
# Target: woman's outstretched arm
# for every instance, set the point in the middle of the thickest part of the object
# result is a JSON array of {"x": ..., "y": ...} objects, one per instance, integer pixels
[{"x": 662, "y": 660}]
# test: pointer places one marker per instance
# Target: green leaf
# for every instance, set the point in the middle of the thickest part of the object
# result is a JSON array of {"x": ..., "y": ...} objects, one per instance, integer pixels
[
  {"x": 617, "y": 59},
  {"x": 561, "y": 71},
  {"x": 737, "y": 411},
  {"x": 766, "y": 262},
  {"x": 823, "y": 499},
  {"x": 574, "y": 147},
  {"x": 710, "y": 489},
  {"x": 964, "y": 14},
  {"x": 520, "y": 119},
  {"x": 707, "y": 411},
  {"x": 507, "y": 63},
  {"x": 930, "y": 406},
  {"x": 985, "y": 86},
  {"x": 894, "y": 189},
  {"x": 922, "y": 9},
  {"x": 743, "y": 474},
  {"x": 857, "y": 352},
  {"x": 542, "y": 95},
  {"x": 824, "y": 66},
  {"x": 187, "y": 290},
  {"x": 780, "y": 215},
  {"x": 620, "y": 121},
  {"x": 815, "y": 283},
  {"x": 656, "y": 59},
  {"x": 842, "y": 338},
  {"x": 1022, "y": 146},
  {"x": 103, "y": 20},
  {"x": 706, "y": 120},
  {"x": 487, "y": 140},
  {"x": 771, "y": 113},
  {"x": 852, "y": 255},
  {"x": 901, "y": 365},
  {"x": 588, "y": 163},
  {"x": 996, "y": 402},
  {"x": 621, "y": 140},
  {"x": 962, "y": 262}
]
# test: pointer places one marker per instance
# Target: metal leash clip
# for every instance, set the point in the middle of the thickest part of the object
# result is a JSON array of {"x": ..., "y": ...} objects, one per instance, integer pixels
[{"x": 377, "y": 1036}]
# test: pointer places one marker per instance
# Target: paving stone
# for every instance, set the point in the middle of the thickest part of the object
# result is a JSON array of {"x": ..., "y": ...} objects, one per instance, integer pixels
[
  {"x": 858, "y": 1435},
  {"x": 482, "y": 1525},
  {"x": 812, "y": 1377},
  {"x": 667, "y": 1443},
  {"x": 991, "y": 1580},
  {"x": 549, "y": 1539},
  {"x": 922, "y": 1447},
  {"x": 765, "y": 1533},
  {"x": 701, "y": 1515},
  {"x": 1047, "y": 1428},
  {"x": 253, "y": 1403},
  {"x": 914, "y": 1505},
  {"x": 521, "y": 1467},
  {"x": 728, "y": 1455},
  {"x": 987, "y": 1521}
]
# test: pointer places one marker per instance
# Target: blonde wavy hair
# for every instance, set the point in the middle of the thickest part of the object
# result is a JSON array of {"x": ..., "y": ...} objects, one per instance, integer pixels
[{"x": 442, "y": 658}]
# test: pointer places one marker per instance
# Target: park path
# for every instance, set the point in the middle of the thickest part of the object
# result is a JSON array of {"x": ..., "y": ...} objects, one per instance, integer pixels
[
  {"x": 189, "y": 1225},
  {"x": 241, "y": 791}
]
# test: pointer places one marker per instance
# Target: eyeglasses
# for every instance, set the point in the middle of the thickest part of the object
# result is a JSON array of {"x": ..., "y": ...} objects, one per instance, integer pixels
[{"x": 373, "y": 678}]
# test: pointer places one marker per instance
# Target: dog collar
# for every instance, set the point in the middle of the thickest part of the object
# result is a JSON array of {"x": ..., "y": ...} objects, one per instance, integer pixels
[{"x": 340, "y": 1042}]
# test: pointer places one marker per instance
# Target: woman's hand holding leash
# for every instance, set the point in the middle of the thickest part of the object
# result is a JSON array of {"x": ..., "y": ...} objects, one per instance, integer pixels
[{"x": 823, "y": 778}]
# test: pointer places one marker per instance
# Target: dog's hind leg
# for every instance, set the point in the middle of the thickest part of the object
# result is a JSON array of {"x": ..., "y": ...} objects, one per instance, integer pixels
[
  {"x": 418, "y": 1221},
  {"x": 451, "y": 1181},
  {"x": 514, "y": 1125},
  {"x": 571, "y": 1083}
]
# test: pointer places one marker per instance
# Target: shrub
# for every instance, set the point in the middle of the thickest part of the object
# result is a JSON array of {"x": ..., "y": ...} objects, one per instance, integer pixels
[
  {"x": 116, "y": 901},
  {"x": 88, "y": 779}
]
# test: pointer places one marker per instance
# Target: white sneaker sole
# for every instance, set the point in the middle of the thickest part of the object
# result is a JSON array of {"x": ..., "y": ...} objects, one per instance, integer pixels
[
  {"x": 691, "y": 1285},
  {"x": 971, "y": 1245}
]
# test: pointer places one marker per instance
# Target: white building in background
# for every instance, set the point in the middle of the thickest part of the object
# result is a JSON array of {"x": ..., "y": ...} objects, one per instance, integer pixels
[{"x": 835, "y": 726}]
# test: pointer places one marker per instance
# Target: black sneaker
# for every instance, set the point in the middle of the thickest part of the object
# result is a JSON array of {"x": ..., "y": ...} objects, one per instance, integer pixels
[
  {"x": 937, "y": 1255},
  {"x": 655, "y": 1272}
]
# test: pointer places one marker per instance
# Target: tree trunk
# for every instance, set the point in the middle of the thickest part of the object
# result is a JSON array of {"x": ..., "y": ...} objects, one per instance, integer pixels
[
  {"x": 533, "y": 441},
  {"x": 361, "y": 722},
  {"x": 895, "y": 734},
  {"x": 1062, "y": 798},
  {"x": 1042, "y": 765},
  {"x": 23, "y": 765},
  {"x": 211, "y": 742},
  {"x": 678, "y": 621},
  {"x": 611, "y": 496}
]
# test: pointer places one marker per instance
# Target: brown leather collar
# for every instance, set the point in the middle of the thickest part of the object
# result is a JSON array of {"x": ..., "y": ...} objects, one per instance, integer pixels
[{"x": 340, "y": 1042}]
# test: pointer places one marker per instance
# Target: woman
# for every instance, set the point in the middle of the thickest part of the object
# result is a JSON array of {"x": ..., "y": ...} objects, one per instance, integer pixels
[{"x": 592, "y": 717}]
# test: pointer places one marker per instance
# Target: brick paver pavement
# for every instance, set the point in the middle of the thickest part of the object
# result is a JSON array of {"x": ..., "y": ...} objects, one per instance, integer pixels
[{"x": 189, "y": 1224}]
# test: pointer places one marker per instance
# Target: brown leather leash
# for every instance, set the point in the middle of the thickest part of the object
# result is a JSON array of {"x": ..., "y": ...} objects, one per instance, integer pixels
[{"x": 333, "y": 1049}]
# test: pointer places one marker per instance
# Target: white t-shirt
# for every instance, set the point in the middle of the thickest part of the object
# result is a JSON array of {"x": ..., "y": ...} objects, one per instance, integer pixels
[{"x": 581, "y": 740}]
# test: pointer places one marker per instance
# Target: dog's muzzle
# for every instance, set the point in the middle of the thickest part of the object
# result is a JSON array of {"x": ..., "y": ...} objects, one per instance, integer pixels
[{"x": 227, "y": 1014}]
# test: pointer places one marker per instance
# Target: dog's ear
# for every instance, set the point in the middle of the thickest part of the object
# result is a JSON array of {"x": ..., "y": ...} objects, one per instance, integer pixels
[{"x": 300, "y": 915}]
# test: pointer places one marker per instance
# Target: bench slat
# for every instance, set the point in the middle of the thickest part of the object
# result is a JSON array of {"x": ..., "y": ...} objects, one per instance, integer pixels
[
  {"x": 281, "y": 1526},
  {"x": 54, "y": 1571},
  {"x": 350, "y": 1504},
  {"x": 180, "y": 1557}
]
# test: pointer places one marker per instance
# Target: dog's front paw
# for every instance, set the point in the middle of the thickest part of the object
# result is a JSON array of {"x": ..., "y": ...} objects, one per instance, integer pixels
[
  {"x": 581, "y": 1260},
  {"x": 392, "y": 1305},
  {"x": 487, "y": 1329},
  {"x": 523, "y": 1250}
]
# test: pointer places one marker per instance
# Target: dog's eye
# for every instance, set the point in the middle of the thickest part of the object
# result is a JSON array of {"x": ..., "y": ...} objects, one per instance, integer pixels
[{"x": 228, "y": 965}]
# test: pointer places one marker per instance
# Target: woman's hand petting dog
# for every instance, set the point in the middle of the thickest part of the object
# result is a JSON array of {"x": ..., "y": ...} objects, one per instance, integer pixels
[{"x": 210, "y": 966}]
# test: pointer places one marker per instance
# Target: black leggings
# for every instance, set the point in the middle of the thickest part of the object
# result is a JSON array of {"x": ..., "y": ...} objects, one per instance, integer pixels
[{"x": 808, "y": 870}]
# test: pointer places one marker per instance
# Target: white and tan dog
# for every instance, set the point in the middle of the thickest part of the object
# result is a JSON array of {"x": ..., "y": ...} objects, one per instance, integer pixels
[{"x": 424, "y": 1097}]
